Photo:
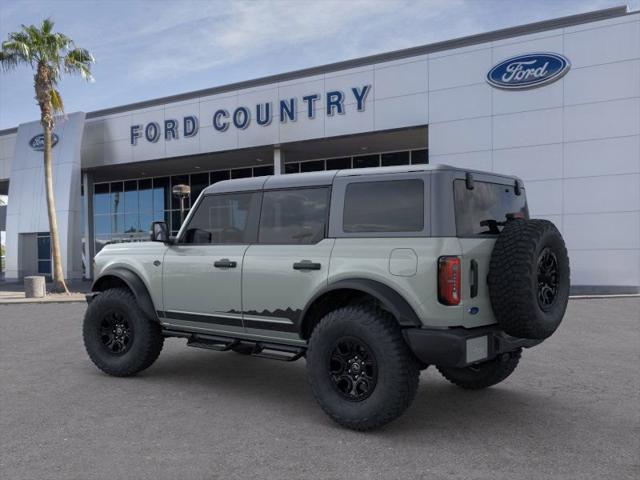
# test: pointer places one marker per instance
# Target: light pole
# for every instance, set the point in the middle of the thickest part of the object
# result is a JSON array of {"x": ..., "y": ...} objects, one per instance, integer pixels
[{"x": 182, "y": 192}]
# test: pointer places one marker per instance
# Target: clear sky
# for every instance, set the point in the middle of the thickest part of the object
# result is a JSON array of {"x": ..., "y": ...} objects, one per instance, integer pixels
[{"x": 149, "y": 49}]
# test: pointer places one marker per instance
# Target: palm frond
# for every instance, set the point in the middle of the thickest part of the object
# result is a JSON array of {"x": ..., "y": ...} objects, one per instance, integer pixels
[
  {"x": 79, "y": 61},
  {"x": 47, "y": 26},
  {"x": 56, "y": 101},
  {"x": 9, "y": 61}
]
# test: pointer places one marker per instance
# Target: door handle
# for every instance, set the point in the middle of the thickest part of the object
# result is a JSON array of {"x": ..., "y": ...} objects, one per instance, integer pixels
[
  {"x": 224, "y": 263},
  {"x": 474, "y": 279},
  {"x": 306, "y": 265}
]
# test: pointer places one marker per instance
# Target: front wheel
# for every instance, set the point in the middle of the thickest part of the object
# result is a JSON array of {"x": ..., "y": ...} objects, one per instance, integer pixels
[
  {"x": 484, "y": 374},
  {"x": 360, "y": 369},
  {"x": 120, "y": 339}
]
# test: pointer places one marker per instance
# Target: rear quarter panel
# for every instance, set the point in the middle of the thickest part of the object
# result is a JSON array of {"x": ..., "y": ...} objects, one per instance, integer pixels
[{"x": 371, "y": 258}]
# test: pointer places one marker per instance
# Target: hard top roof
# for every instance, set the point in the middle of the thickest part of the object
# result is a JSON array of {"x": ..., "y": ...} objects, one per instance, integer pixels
[{"x": 325, "y": 178}]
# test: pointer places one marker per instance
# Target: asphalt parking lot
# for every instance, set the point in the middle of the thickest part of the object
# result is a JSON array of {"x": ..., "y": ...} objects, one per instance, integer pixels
[{"x": 570, "y": 411}]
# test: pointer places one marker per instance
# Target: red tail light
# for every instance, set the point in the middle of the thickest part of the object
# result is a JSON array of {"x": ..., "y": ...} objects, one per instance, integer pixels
[{"x": 449, "y": 280}]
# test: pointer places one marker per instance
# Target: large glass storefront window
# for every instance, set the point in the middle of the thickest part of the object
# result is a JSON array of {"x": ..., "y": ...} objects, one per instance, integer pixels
[{"x": 124, "y": 210}]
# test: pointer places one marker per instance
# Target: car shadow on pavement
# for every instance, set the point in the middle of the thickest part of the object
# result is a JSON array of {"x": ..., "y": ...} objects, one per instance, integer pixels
[{"x": 283, "y": 388}]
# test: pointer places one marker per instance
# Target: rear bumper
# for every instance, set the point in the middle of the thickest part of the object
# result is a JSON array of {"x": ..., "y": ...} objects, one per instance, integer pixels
[{"x": 460, "y": 347}]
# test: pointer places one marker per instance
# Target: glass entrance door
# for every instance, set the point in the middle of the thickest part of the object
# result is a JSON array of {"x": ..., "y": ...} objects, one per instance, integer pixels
[{"x": 44, "y": 253}]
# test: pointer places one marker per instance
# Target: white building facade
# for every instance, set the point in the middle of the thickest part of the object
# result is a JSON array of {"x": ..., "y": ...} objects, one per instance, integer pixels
[{"x": 570, "y": 130}]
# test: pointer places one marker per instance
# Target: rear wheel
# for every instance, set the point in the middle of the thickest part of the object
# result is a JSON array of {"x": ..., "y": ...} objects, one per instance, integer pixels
[
  {"x": 119, "y": 338},
  {"x": 484, "y": 374},
  {"x": 360, "y": 369}
]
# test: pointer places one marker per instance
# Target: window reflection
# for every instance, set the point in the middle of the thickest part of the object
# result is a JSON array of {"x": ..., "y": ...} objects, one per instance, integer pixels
[{"x": 124, "y": 210}]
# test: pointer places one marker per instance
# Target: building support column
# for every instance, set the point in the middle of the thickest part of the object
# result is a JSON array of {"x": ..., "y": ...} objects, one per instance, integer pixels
[
  {"x": 87, "y": 185},
  {"x": 278, "y": 161}
]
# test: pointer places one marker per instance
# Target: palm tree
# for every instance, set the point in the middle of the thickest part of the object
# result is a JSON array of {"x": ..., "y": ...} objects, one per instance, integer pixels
[{"x": 50, "y": 55}]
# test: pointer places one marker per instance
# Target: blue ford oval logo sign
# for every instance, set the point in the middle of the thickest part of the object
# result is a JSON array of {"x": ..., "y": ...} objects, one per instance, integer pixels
[
  {"x": 528, "y": 71},
  {"x": 37, "y": 142}
]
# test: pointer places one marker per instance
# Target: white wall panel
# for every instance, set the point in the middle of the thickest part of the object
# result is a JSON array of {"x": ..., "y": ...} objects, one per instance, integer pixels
[
  {"x": 304, "y": 128},
  {"x": 609, "y": 156},
  {"x": 117, "y": 127},
  {"x": 403, "y": 79},
  {"x": 93, "y": 155},
  {"x": 605, "y": 267},
  {"x": 117, "y": 152},
  {"x": 212, "y": 140},
  {"x": 301, "y": 89},
  {"x": 94, "y": 131},
  {"x": 181, "y": 146},
  {"x": 460, "y": 136},
  {"x": 5, "y": 168},
  {"x": 212, "y": 104},
  {"x": 456, "y": 70},
  {"x": 7, "y": 146},
  {"x": 540, "y": 162},
  {"x": 259, "y": 134},
  {"x": 555, "y": 219},
  {"x": 549, "y": 41},
  {"x": 549, "y": 96},
  {"x": 352, "y": 121},
  {"x": 617, "y": 193},
  {"x": 346, "y": 82},
  {"x": 602, "y": 231},
  {"x": 616, "y": 118},
  {"x": 459, "y": 103},
  {"x": 544, "y": 197},
  {"x": 401, "y": 112},
  {"x": 603, "y": 45},
  {"x": 527, "y": 128},
  {"x": 602, "y": 82}
]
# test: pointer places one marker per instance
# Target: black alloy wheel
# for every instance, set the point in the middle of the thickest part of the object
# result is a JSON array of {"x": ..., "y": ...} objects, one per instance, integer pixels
[
  {"x": 547, "y": 279},
  {"x": 116, "y": 332},
  {"x": 353, "y": 369}
]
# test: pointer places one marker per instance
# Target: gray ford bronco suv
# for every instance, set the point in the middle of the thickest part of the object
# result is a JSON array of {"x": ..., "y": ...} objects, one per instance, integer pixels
[{"x": 371, "y": 275}]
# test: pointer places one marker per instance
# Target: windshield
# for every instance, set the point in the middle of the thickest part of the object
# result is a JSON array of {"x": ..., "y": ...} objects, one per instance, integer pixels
[{"x": 485, "y": 209}]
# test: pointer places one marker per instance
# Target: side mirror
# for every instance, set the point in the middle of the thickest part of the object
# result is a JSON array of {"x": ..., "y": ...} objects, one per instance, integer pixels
[{"x": 159, "y": 232}]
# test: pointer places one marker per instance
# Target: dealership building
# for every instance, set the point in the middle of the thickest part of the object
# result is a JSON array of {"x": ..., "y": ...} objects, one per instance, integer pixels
[{"x": 556, "y": 103}]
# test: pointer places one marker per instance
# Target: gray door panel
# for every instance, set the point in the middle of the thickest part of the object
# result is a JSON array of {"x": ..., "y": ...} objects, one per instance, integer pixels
[
  {"x": 274, "y": 292},
  {"x": 202, "y": 287}
]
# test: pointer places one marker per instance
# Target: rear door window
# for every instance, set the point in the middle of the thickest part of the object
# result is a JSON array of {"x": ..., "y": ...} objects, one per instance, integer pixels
[
  {"x": 484, "y": 210},
  {"x": 294, "y": 216},
  {"x": 384, "y": 206}
]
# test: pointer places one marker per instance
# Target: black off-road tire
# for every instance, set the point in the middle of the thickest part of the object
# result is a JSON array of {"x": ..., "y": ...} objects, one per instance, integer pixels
[
  {"x": 146, "y": 338},
  {"x": 484, "y": 374},
  {"x": 515, "y": 280},
  {"x": 397, "y": 371}
]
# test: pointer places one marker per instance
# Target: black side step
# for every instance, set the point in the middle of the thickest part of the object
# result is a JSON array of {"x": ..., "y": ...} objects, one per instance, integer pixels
[
  {"x": 212, "y": 342},
  {"x": 285, "y": 353},
  {"x": 272, "y": 351}
]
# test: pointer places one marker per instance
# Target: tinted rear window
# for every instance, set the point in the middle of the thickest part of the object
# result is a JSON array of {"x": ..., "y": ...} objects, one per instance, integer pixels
[
  {"x": 483, "y": 210},
  {"x": 294, "y": 216},
  {"x": 384, "y": 206}
]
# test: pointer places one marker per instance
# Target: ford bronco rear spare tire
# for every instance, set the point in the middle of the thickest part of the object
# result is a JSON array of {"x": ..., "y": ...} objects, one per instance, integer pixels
[
  {"x": 360, "y": 368},
  {"x": 120, "y": 339},
  {"x": 529, "y": 278}
]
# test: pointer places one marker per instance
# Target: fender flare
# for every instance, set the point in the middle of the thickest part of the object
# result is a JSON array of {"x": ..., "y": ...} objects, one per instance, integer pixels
[
  {"x": 135, "y": 284},
  {"x": 392, "y": 300}
]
